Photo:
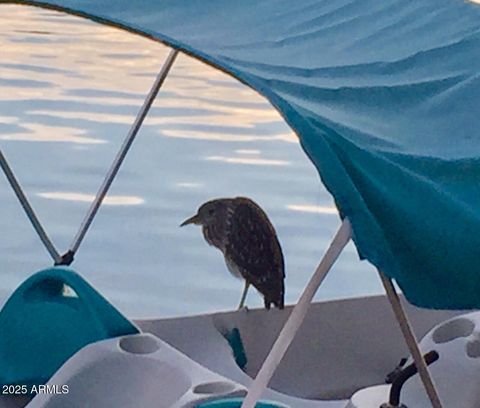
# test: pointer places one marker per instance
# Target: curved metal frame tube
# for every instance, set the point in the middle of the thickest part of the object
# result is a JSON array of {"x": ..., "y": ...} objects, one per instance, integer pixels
[
  {"x": 102, "y": 192},
  {"x": 28, "y": 209}
]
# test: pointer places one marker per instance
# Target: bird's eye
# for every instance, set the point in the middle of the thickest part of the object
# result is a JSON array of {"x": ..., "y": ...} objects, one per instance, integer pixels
[{"x": 211, "y": 212}]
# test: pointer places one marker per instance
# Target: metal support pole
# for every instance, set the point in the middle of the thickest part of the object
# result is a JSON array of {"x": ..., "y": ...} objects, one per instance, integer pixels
[
  {"x": 28, "y": 208},
  {"x": 121, "y": 155},
  {"x": 411, "y": 341},
  {"x": 297, "y": 316}
]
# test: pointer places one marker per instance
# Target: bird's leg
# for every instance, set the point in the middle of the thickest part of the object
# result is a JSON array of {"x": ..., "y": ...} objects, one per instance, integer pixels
[{"x": 244, "y": 294}]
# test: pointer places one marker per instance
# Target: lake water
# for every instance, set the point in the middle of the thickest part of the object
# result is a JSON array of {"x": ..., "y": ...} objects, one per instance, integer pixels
[{"x": 69, "y": 90}]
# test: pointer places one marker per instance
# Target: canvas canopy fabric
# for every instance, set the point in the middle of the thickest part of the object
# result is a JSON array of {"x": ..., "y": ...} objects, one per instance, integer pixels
[{"x": 385, "y": 99}]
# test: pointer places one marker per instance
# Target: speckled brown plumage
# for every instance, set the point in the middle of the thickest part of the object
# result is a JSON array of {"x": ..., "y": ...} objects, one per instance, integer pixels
[{"x": 247, "y": 239}]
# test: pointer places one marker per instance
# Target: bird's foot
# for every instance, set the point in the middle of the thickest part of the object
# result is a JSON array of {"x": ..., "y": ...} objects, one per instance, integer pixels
[{"x": 243, "y": 309}]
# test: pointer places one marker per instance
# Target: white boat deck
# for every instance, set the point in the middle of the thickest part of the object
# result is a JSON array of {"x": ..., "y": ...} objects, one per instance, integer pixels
[{"x": 343, "y": 346}]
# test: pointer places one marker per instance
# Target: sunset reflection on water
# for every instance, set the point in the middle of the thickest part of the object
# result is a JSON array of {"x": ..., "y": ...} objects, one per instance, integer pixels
[{"x": 69, "y": 90}]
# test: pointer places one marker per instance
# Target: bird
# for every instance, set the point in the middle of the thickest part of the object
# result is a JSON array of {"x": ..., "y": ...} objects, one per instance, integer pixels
[{"x": 241, "y": 230}]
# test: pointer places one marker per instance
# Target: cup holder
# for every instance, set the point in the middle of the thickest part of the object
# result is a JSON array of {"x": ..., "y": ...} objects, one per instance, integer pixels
[
  {"x": 216, "y": 387},
  {"x": 139, "y": 344},
  {"x": 473, "y": 349},
  {"x": 453, "y": 329}
]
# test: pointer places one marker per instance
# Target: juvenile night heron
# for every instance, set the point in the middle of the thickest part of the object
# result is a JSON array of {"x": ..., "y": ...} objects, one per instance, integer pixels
[{"x": 247, "y": 239}]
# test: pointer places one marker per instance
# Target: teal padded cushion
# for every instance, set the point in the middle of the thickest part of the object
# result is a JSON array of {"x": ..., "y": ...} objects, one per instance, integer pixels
[{"x": 41, "y": 326}]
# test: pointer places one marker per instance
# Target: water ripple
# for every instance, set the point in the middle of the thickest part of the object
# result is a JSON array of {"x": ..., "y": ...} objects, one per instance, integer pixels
[{"x": 88, "y": 198}]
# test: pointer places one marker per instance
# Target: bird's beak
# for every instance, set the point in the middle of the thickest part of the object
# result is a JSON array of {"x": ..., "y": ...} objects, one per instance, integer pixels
[{"x": 192, "y": 220}]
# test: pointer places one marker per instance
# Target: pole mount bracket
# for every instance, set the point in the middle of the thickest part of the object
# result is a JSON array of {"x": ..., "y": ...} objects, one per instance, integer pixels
[{"x": 66, "y": 259}]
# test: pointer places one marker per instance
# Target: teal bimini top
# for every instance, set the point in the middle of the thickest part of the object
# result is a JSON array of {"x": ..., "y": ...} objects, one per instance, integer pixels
[{"x": 384, "y": 97}]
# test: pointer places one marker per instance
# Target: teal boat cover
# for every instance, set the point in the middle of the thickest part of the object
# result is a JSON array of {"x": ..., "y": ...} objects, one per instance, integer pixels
[{"x": 385, "y": 99}]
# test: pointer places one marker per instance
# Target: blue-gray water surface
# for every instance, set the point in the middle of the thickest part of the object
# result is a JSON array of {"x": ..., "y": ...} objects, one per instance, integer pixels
[{"x": 69, "y": 90}]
